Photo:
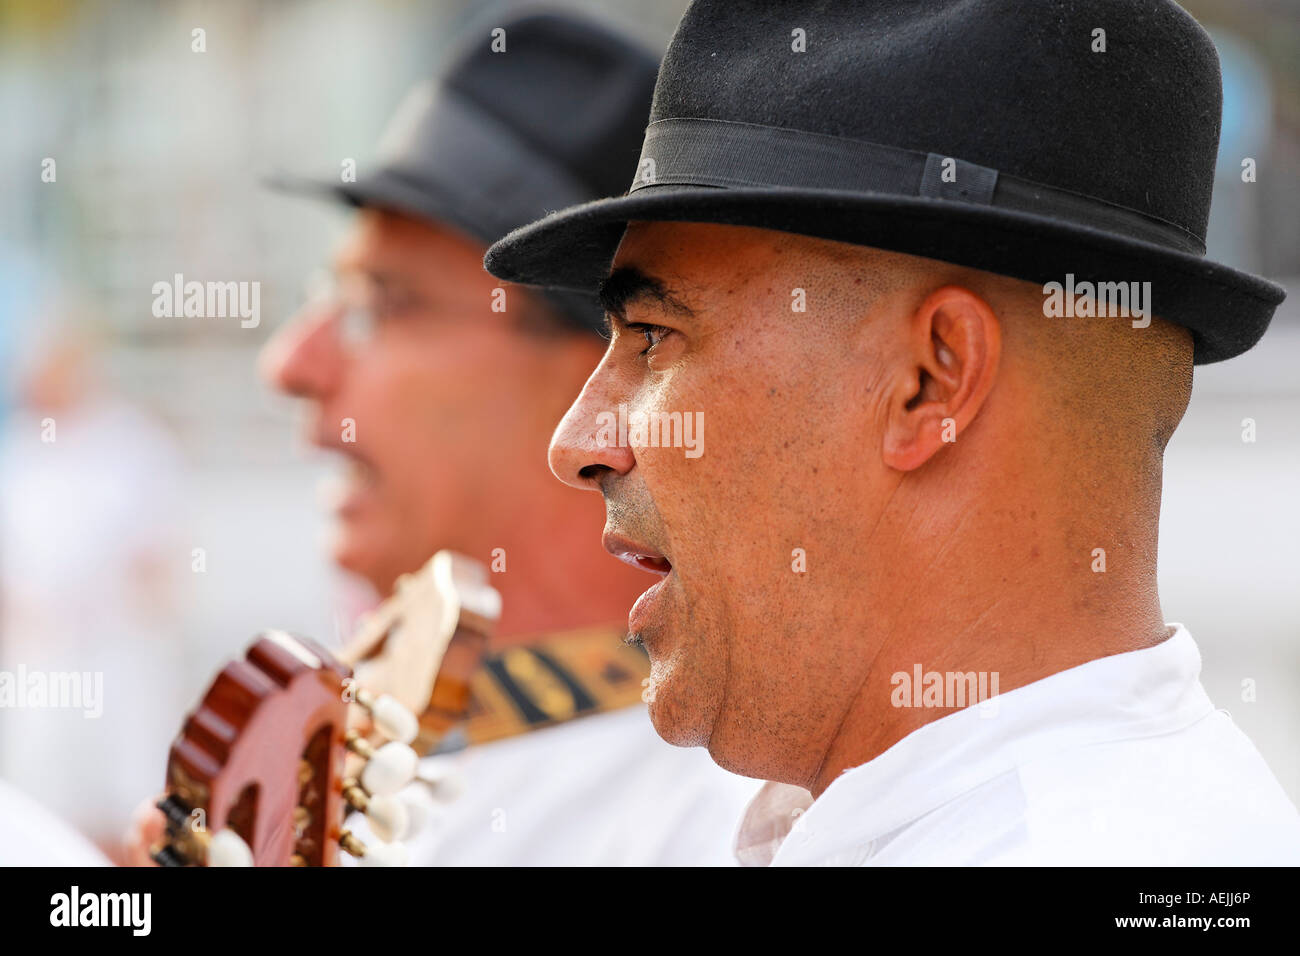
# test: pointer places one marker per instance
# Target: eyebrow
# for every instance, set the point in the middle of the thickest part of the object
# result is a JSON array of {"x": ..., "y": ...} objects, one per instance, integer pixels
[{"x": 628, "y": 284}]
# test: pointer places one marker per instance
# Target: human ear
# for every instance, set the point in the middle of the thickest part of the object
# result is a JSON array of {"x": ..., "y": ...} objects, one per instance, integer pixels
[{"x": 946, "y": 370}]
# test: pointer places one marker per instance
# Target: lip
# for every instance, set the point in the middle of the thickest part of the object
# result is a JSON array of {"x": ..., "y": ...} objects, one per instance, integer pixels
[
  {"x": 646, "y": 559},
  {"x": 643, "y": 610},
  {"x": 347, "y": 490},
  {"x": 636, "y": 554}
]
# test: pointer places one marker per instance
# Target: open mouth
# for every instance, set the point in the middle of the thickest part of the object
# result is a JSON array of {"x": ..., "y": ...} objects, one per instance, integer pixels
[
  {"x": 636, "y": 554},
  {"x": 648, "y": 607},
  {"x": 359, "y": 470},
  {"x": 352, "y": 480}
]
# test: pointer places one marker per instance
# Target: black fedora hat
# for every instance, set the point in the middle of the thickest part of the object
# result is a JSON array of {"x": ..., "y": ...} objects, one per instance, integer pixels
[
  {"x": 1006, "y": 135},
  {"x": 543, "y": 114}
]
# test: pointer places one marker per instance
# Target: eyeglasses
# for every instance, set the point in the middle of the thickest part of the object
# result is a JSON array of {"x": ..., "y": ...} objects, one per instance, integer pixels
[{"x": 363, "y": 303}]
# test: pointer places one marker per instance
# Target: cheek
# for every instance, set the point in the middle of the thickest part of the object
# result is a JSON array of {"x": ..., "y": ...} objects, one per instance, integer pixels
[
  {"x": 456, "y": 420},
  {"x": 439, "y": 384},
  {"x": 411, "y": 410},
  {"x": 754, "y": 512},
  {"x": 767, "y": 440}
]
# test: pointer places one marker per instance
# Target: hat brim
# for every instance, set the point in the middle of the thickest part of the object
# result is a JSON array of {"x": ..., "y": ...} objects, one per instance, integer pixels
[
  {"x": 433, "y": 204},
  {"x": 427, "y": 200},
  {"x": 1227, "y": 311}
]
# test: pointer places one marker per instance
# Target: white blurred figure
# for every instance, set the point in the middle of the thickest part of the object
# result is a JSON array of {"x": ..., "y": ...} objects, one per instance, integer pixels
[
  {"x": 89, "y": 558},
  {"x": 33, "y": 836}
]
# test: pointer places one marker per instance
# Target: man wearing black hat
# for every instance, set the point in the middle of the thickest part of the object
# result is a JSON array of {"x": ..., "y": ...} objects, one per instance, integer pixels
[
  {"x": 932, "y": 274},
  {"x": 452, "y": 384}
]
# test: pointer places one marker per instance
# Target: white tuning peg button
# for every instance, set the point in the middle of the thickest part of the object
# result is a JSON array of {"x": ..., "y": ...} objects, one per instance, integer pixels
[
  {"x": 385, "y": 854},
  {"x": 393, "y": 720},
  {"x": 389, "y": 818},
  {"x": 444, "y": 781},
  {"x": 417, "y": 812},
  {"x": 389, "y": 769},
  {"x": 227, "y": 848}
]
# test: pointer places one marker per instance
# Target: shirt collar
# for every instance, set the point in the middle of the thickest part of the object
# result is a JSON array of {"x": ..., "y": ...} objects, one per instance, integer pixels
[{"x": 1140, "y": 693}]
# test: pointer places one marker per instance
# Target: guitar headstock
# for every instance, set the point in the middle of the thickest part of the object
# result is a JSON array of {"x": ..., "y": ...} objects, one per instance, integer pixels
[
  {"x": 286, "y": 740},
  {"x": 424, "y": 644}
]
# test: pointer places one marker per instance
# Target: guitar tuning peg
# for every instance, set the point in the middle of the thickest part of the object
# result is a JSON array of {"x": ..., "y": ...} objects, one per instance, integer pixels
[
  {"x": 374, "y": 854},
  {"x": 390, "y": 820},
  {"x": 389, "y": 817},
  {"x": 391, "y": 718},
  {"x": 388, "y": 768},
  {"x": 417, "y": 812},
  {"x": 227, "y": 848},
  {"x": 444, "y": 782},
  {"x": 386, "y": 854}
]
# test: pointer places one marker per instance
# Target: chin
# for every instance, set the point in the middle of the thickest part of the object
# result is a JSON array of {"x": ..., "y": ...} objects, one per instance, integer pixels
[{"x": 680, "y": 713}]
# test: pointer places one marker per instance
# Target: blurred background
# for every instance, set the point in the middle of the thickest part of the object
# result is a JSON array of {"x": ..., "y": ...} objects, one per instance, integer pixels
[{"x": 182, "y": 519}]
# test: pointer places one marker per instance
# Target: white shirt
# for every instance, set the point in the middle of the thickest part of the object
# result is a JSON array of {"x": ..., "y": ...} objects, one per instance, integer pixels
[
  {"x": 32, "y": 836},
  {"x": 603, "y": 790},
  {"x": 1119, "y": 761}
]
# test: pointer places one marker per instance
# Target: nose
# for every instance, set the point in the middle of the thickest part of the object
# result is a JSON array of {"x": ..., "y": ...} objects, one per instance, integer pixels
[
  {"x": 305, "y": 357},
  {"x": 588, "y": 444}
]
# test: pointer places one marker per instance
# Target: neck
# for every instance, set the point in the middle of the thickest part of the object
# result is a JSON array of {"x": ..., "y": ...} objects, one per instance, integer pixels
[{"x": 1017, "y": 590}]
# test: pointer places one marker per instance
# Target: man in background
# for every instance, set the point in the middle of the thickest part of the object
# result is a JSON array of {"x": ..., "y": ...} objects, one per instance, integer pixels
[{"x": 440, "y": 388}]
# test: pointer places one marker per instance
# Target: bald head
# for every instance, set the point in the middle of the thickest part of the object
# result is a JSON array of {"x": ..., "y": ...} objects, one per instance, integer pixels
[{"x": 1116, "y": 390}]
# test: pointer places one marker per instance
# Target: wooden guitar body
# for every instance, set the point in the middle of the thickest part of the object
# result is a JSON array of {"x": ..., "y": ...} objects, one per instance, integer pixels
[{"x": 267, "y": 739}]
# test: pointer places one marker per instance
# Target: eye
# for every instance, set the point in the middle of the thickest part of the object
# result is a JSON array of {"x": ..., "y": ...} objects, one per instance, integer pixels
[{"x": 654, "y": 334}]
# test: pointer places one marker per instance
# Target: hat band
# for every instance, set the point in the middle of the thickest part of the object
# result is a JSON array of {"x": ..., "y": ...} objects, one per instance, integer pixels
[{"x": 720, "y": 153}]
